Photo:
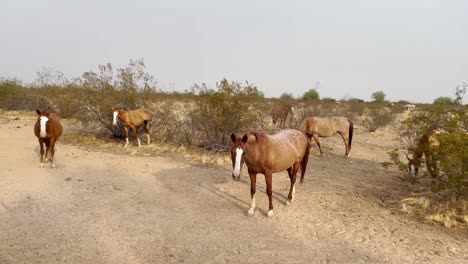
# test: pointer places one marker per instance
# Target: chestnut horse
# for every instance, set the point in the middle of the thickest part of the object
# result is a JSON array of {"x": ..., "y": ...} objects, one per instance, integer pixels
[
  {"x": 328, "y": 126},
  {"x": 429, "y": 146},
  {"x": 281, "y": 112},
  {"x": 132, "y": 119},
  {"x": 268, "y": 154},
  {"x": 47, "y": 129}
]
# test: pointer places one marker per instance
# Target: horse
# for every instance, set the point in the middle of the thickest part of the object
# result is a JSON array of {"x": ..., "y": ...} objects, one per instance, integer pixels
[
  {"x": 328, "y": 126},
  {"x": 47, "y": 130},
  {"x": 429, "y": 147},
  {"x": 409, "y": 107},
  {"x": 281, "y": 112},
  {"x": 132, "y": 119},
  {"x": 268, "y": 154}
]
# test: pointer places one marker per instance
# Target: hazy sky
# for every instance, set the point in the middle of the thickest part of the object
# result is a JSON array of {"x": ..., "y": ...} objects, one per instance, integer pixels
[{"x": 413, "y": 50}]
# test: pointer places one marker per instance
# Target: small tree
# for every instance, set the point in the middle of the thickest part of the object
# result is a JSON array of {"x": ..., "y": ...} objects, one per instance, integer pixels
[
  {"x": 443, "y": 100},
  {"x": 286, "y": 96},
  {"x": 378, "y": 97},
  {"x": 312, "y": 94},
  {"x": 377, "y": 118}
]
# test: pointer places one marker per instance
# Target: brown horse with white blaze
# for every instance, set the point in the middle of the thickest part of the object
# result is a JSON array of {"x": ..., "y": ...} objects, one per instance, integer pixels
[
  {"x": 327, "y": 127},
  {"x": 47, "y": 130},
  {"x": 268, "y": 154},
  {"x": 133, "y": 119}
]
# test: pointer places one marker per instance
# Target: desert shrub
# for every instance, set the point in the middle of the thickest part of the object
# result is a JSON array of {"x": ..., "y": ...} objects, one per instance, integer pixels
[
  {"x": 228, "y": 110},
  {"x": 356, "y": 107},
  {"x": 328, "y": 100},
  {"x": 173, "y": 123},
  {"x": 377, "y": 118},
  {"x": 450, "y": 185},
  {"x": 129, "y": 87}
]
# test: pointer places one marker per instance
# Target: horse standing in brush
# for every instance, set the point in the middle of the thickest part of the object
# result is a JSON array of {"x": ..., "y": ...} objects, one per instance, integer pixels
[
  {"x": 328, "y": 126},
  {"x": 267, "y": 154},
  {"x": 47, "y": 130},
  {"x": 132, "y": 119},
  {"x": 429, "y": 147},
  {"x": 281, "y": 112}
]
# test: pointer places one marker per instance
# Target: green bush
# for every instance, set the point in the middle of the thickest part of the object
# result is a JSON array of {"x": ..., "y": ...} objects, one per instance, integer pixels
[
  {"x": 377, "y": 118},
  {"x": 228, "y": 110}
]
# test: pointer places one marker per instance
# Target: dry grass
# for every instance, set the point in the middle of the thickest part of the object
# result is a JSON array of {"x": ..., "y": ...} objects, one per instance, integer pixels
[
  {"x": 452, "y": 214},
  {"x": 190, "y": 154}
]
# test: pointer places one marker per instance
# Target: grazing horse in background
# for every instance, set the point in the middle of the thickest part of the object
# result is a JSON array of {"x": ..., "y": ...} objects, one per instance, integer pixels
[
  {"x": 328, "y": 126},
  {"x": 409, "y": 107},
  {"x": 133, "y": 119},
  {"x": 47, "y": 130},
  {"x": 281, "y": 112},
  {"x": 267, "y": 154},
  {"x": 429, "y": 146}
]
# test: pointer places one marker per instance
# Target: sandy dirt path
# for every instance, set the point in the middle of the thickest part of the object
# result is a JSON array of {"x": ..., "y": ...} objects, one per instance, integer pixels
[{"x": 100, "y": 207}]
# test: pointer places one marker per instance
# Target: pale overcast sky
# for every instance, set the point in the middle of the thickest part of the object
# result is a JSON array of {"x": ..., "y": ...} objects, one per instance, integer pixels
[{"x": 413, "y": 50}]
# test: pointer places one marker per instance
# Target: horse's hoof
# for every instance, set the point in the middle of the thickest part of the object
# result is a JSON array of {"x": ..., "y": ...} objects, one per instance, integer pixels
[
  {"x": 250, "y": 211},
  {"x": 42, "y": 165},
  {"x": 53, "y": 166},
  {"x": 270, "y": 213},
  {"x": 288, "y": 202}
]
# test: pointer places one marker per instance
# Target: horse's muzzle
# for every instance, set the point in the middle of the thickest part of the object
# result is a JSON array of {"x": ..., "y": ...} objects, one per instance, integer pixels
[
  {"x": 114, "y": 123},
  {"x": 236, "y": 175}
]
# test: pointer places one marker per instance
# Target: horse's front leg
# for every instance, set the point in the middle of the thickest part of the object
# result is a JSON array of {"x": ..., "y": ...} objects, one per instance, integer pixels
[
  {"x": 126, "y": 136},
  {"x": 268, "y": 180},
  {"x": 51, "y": 148},
  {"x": 146, "y": 127},
  {"x": 253, "y": 180},
  {"x": 136, "y": 135},
  {"x": 41, "y": 144}
]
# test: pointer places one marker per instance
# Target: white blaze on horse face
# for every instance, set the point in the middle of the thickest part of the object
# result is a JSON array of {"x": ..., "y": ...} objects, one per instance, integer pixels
[
  {"x": 114, "y": 122},
  {"x": 239, "y": 152},
  {"x": 43, "y": 120},
  {"x": 412, "y": 170}
]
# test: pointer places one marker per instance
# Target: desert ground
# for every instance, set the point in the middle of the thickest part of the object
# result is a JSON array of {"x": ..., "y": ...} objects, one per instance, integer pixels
[{"x": 109, "y": 205}]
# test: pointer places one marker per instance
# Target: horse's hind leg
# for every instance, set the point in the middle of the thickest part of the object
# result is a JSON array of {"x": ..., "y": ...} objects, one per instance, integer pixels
[
  {"x": 253, "y": 180},
  {"x": 317, "y": 140},
  {"x": 292, "y": 175},
  {"x": 345, "y": 140},
  {"x": 268, "y": 180}
]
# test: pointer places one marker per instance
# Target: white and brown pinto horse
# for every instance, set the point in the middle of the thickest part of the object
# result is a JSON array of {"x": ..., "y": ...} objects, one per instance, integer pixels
[
  {"x": 328, "y": 126},
  {"x": 47, "y": 130},
  {"x": 133, "y": 119},
  {"x": 267, "y": 154}
]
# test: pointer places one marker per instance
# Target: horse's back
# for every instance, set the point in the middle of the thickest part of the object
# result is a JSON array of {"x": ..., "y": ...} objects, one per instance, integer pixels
[
  {"x": 324, "y": 126},
  {"x": 147, "y": 115},
  {"x": 286, "y": 148}
]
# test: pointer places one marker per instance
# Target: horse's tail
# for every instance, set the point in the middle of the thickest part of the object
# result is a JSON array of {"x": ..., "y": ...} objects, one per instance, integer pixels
[
  {"x": 350, "y": 135},
  {"x": 305, "y": 160}
]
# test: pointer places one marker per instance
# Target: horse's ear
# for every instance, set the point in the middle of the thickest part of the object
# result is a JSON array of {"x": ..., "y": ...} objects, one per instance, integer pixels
[
  {"x": 38, "y": 112},
  {"x": 245, "y": 138},
  {"x": 233, "y": 138}
]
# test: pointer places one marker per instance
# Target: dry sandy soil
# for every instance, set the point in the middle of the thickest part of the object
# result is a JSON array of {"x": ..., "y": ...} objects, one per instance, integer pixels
[{"x": 107, "y": 206}]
